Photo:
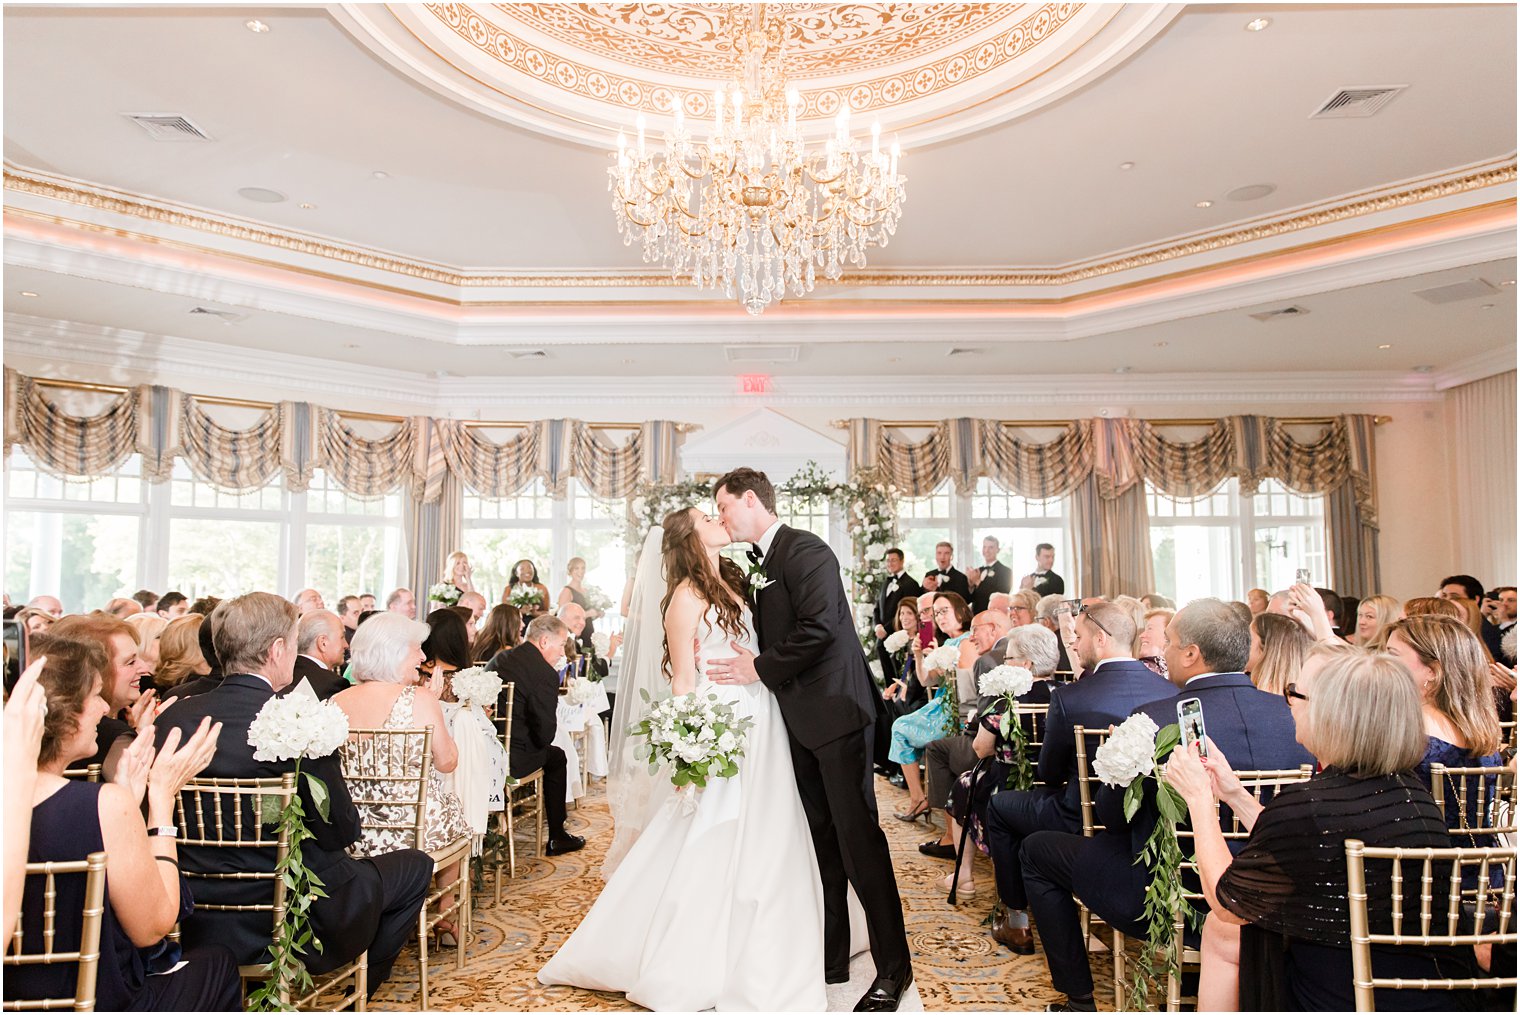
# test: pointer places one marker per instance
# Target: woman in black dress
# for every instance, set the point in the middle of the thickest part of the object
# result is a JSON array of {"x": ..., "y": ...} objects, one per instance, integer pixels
[
  {"x": 575, "y": 592},
  {"x": 1279, "y": 907}
]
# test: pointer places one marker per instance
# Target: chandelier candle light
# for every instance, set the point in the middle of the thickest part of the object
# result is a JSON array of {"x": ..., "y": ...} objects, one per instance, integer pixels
[{"x": 751, "y": 210}]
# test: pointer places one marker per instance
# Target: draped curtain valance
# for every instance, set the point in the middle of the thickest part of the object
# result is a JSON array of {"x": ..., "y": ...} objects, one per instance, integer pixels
[{"x": 293, "y": 439}]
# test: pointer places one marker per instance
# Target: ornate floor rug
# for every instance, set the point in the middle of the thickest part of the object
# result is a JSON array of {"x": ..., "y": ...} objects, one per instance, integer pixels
[{"x": 956, "y": 963}]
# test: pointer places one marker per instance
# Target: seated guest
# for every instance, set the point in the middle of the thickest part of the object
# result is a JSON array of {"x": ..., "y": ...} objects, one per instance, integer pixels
[
  {"x": 531, "y": 667},
  {"x": 47, "y": 604},
  {"x": 320, "y": 644},
  {"x": 1155, "y": 658},
  {"x": 578, "y": 645},
  {"x": 149, "y": 628},
  {"x": 1461, "y": 723},
  {"x": 34, "y": 620},
  {"x": 476, "y": 604},
  {"x": 1256, "y": 599},
  {"x": 465, "y": 614},
  {"x": 123, "y": 608},
  {"x": 1033, "y": 648},
  {"x": 446, "y": 649},
  {"x": 1279, "y": 907},
  {"x": 1467, "y": 592},
  {"x": 1115, "y": 684},
  {"x": 525, "y": 579},
  {"x": 179, "y": 654},
  {"x": 348, "y": 613},
  {"x": 308, "y": 601},
  {"x": 1207, "y": 645},
  {"x": 386, "y": 661},
  {"x": 1278, "y": 647},
  {"x": 940, "y": 715},
  {"x": 1151, "y": 645},
  {"x": 144, "y": 894},
  {"x": 371, "y": 904},
  {"x": 1434, "y": 605},
  {"x": 127, "y": 701},
  {"x": 146, "y": 599},
  {"x": 1046, "y": 616},
  {"x": 401, "y": 601},
  {"x": 204, "y": 606},
  {"x": 502, "y": 630},
  {"x": 172, "y": 604},
  {"x": 1374, "y": 615},
  {"x": 899, "y": 685},
  {"x": 205, "y": 682},
  {"x": 1023, "y": 606}
]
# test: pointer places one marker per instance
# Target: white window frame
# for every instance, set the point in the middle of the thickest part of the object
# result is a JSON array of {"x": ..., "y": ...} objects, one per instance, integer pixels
[{"x": 961, "y": 525}]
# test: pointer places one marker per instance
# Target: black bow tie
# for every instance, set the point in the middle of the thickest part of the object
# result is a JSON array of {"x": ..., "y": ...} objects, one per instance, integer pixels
[{"x": 754, "y": 554}]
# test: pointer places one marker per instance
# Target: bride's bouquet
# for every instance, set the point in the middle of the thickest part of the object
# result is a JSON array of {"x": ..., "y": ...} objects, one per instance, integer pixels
[{"x": 701, "y": 738}]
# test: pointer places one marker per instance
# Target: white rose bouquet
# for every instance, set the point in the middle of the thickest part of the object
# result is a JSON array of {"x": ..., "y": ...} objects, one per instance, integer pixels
[
  {"x": 701, "y": 738},
  {"x": 444, "y": 592},
  {"x": 596, "y": 599},
  {"x": 1133, "y": 753},
  {"x": 579, "y": 692},
  {"x": 1009, "y": 683},
  {"x": 524, "y": 596},
  {"x": 601, "y": 643},
  {"x": 290, "y": 728},
  {"x": 943, "y": 658},
  {"x": 1005, "y": 682},
  {"x": 476, "y": 686},
  {"x": 895, "y": 642}
]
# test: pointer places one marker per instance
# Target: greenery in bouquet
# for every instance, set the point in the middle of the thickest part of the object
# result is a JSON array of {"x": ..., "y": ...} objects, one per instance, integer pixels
[
  {"x": 525, "y": 596},
  {"x": 1010, "y": 683},
  {"x": 699, "y": 737},
  {"x": 596, "y": 599},
  {"x": 444, "y": 592}
]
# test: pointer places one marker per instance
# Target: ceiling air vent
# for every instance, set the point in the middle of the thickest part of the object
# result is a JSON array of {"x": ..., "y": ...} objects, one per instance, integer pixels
[
  {"x": 1280, "y": 312},
  {"x": 1467, "y": 289},
  {"x": 528, "y": 354},
  {"x": 1356, "y": 102},
  {"x": 761, "y": 353},
  {"x": 168, "y": 127},
  {"x": 225, "y": 316},
  {"x": 963, "y": 351}
]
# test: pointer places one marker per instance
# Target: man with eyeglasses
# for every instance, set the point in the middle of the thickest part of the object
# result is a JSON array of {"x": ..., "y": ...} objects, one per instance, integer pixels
[
  {"x": 1207, "y": 644},
  {"x": 1115, "y": 684}
]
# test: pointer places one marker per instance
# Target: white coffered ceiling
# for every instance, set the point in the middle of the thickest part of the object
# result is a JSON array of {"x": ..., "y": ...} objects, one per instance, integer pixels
[{"x": 1022, "y": 240}]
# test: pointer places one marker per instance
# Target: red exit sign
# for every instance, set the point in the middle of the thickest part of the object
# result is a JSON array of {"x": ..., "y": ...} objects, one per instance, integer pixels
[{"x": 754, "y": 384}]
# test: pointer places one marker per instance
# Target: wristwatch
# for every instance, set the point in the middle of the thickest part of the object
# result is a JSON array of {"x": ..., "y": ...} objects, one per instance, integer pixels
[{"x": 167, "y": 831}]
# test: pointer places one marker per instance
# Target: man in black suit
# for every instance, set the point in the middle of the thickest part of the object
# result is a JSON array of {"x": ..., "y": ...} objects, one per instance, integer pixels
[
  {"x": 947, "y": 578},
  {"x": 1115, "y": 684},
  {"x": 371, "y": 904},
  {"x": 1042, "y": 579},
  {"x": 578, "y": 643},
  {"x": 812, "y": 662},
  {"x": 321, "y": 647},
  {"x": 898, "y": 586},
  {"x": 992, "y": 577},
  {"x": 532, "y": 666},
  {"x": 1207, "y": 644}
]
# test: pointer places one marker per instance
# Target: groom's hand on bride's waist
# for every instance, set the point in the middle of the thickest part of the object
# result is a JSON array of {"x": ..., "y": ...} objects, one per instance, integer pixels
[{"x": 740, "y": 669}]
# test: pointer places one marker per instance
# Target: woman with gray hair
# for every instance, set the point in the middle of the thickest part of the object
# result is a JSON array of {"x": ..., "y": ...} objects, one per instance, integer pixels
[{"x": 387, "y": 654}]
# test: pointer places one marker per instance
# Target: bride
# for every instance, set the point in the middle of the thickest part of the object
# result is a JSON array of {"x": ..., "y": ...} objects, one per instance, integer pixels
[{"x": 712, "y": 900}]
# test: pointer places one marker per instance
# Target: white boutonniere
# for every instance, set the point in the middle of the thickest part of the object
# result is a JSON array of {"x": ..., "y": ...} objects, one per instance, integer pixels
[
  {"x": 757, "y": 578},
  {"x": 892, "y": 586}
]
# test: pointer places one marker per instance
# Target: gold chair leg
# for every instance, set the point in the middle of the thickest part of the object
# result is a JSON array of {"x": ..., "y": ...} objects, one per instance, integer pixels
[
  {"x": 422, "y": 955},
  {"x": 361, "y": 983}
]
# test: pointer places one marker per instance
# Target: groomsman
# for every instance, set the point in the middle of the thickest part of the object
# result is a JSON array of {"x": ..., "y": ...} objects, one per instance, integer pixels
[
  {"x": 1043, "y": 580},
  {"x": 947, "y": 577},
  {"x": 899, "y": 586},
  {"x": 992, "y": 577}
]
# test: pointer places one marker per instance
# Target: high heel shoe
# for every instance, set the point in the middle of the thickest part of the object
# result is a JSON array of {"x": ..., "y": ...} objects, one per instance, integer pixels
[
  {"x": 921, "y": 810},
  {"x": 445, "y": 935}
]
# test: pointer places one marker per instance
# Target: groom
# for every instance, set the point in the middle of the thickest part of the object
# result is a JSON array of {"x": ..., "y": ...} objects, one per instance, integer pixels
[{"x": 811, "y": 660}]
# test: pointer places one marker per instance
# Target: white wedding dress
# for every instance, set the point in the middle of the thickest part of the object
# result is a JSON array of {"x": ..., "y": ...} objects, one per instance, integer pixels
[{"x": 716, "y": 905}]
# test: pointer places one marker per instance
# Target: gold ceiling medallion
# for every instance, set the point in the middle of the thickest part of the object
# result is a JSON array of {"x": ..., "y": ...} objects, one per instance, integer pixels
[{"x": 750, "y": 209}]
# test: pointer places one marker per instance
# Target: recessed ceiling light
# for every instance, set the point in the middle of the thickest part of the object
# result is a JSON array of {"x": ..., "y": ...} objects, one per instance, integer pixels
[
  {"x": 307, "y": 205},
  {"x": 1385, "y": 346},
  {"x": 27, "y": 292},
  {"x": 1488, "y": 306},
  {"x": 1252, "y": 192},
  {"x": 1423, "y": 369},
  {"x": 255, "y": 26},
  {"x": 381, "y": 174},
  {"x": 894, "y": 359},
  {"x": 350, "y": 345},
  {"x": 1509, "y": 282},
  {"x": 1121, "y": 370},
  {"x": 1161, "y": 345},
  {"x": 1204, "y": 204},
  {"x": 263, "y": 195},
  {"x": 1258, "y": 24},
  {"x": 1126, "y": 165}
]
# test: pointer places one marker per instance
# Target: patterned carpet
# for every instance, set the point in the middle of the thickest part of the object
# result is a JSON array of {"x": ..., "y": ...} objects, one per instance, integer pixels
[{"x": 957, "y": 965}]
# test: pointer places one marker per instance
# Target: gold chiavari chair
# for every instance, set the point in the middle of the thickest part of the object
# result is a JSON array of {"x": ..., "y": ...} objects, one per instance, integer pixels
[
  {"x": 1263, "y": 784},
  {"x": 229, "y": 814},
  {"x": 1484, "y": 798},
  {"x": 387, "y": 772},
  {"x": 1087, "y": 787},
  {"x": 526, "y": 792},
  {"x": 87, "y": 956},
  {"x": 1509, "y": 728},
  {"x": 1444, "y": 918},
  {"x": 89, "y": 773},
  {"x": 1034, "y": 728}
]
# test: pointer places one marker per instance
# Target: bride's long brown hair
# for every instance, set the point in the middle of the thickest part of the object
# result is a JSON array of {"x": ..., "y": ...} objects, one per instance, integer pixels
[{"x": 686, "y": 560}]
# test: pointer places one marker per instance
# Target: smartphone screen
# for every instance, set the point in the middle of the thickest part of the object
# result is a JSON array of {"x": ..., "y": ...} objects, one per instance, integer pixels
[
  {"x": 1302, "y": 577},
  {"x": 15, "y": 653},
  {"x": 1190, "y": 722}
]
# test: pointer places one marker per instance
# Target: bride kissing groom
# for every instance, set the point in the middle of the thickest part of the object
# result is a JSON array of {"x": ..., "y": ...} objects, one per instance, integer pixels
[{"x": 742, "y": 900}]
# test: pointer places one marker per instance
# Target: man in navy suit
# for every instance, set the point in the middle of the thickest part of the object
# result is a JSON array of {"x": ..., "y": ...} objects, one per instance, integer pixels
[
  {"x": 1115, "y": 683},
  {"x": 1207, "y": 644}
]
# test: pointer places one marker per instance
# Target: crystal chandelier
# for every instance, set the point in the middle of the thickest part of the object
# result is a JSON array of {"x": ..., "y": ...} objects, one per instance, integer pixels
[{"x": 751, "y": 209}]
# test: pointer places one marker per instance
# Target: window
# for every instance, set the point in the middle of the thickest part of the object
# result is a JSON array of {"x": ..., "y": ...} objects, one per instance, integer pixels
[
  {"x": 924, "y": 522},
  {"x": 1289, "y": 534},
  {"x": 1018, "y": 523},
  {"x": 221, "y": 543},
  {"x": 353, "y": 545},
  {"x": 810, "y": 513}
]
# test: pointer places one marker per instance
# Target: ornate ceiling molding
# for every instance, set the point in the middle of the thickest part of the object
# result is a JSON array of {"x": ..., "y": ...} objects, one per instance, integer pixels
[{"x": 927, "y": 71}]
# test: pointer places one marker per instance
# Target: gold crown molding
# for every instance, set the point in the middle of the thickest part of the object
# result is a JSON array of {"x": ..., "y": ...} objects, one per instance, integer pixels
[
  {"x": 630, "y": 92},
  {"x": 242, "y": 230}
]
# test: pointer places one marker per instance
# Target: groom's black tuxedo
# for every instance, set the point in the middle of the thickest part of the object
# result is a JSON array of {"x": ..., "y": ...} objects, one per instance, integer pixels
[{"x": 811, "y": 660}]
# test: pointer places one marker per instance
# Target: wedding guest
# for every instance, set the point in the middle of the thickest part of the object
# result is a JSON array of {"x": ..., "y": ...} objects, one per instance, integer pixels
[
  {"x": 1257, "y": 600},
  {"x": 204, "y": 606},
  {"x": 1434, "y": 606},
  {"x": 172, "y": 604},
  {"x": 198, "y": 684},
  {"x": 531, "y": 666},
  {"x": 1152, "y": 640},
  {"x": 1042, "y": 579},
  {"x": 467, "y": 615},
  {"x": 1207, "y": 645},
  {"x": 899, "y": 585},
  {"x": 501, "y": 631},
  {"x": 575, "y": 592},
  {"x": 320, "y": 649},
  {"x": 476, "y": 604},
  {"x": 1115, "y": 683},
  {"x": 446, "y": 649},
  {"x": 308, "y": 601},
  {"x": 125, "y": 698},
  {"x": 348, "y": 613},
  {"x": 1467, "y": 592},
  {"x": 179, "y": 654},
  {"x": 47, "y": 604},
  {"x": 123, "y": 608},
  {"x": 36, "y": 621},
  {"x": 371, "y": 904},
  {"x": 147, "y": 599},
  {"x": 70, "y": 819},
  {"x": 1023, "y": 606},
  {"x": 1046, "y": 614},
  {"x": 1279, "y": 907},
  {"x": 525, "y": 580},
  {"x": 577, "y": 646},
  {"x": 946, "y": 577},
  {"x": 366, "y": 602},
  {"x": 149, "y": 628},
  {"x": 403, "y": 602},
  {"x": 25, "y": 720},
  {"x": 1279, "y": 646},
  {"x": 940, "y": 715},
  {"x": 1374, "y": 615},
  {"x": 902, "y": 692},
  {"x": 992, "y": 576}
]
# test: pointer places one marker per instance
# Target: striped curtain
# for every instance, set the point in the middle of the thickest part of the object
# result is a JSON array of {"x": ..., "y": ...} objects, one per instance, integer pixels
[
  {"x": 1040, "y": 471},
  {"x": 608, "y": 470},
  {"x": 1481, "y": 418},
  {"x": 1186, "y": 468},
  {"x": 233, "y": 460},
  {"x": 64, "y": 445},
  {"x": 491, "y": 469},
  {"x": 366, "y": 467}
]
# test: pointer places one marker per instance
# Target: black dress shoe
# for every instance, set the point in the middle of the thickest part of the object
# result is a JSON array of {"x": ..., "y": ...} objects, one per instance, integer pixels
[
  {"x": 565, "y": 843},
  {"x": 885, "y": 994},
  {"x": 938, "y": 850},
  {"x": 837, "y": 975},
  {"x": 898, "y": 781}
]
